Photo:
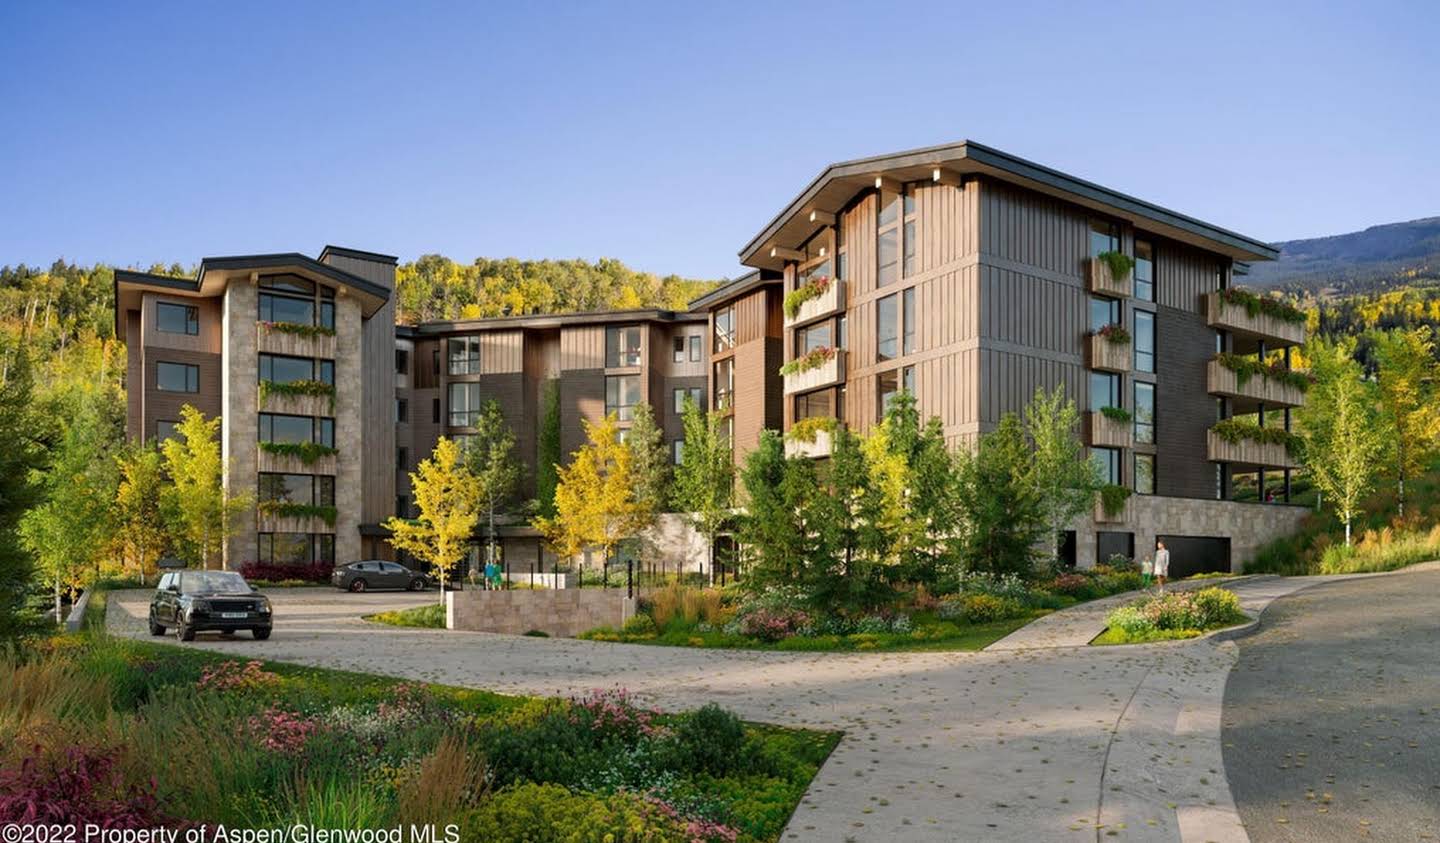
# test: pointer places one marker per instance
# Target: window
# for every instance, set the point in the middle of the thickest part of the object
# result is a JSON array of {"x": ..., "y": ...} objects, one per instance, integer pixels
[
  {"x": 887, "y": 328},
  {"x": 622, "y": 393},
  {"x": 1145, "y": 474},
  {"x": 677, "y": 451},
  {"x": 434, "y": 410},
  {"x": 724, "y": 383},
  {"x": 727, "y": 431},
  {"x": 1108, "y": 461},
  {"x": 887, "y": 386},
  {"x": 281, "y": 369},
  {"x": 910, "y": 264},
  {"x": 1219, "y": 482},
  {"x": 907, "y": 379},
  {"x": 464, "y": 404},
  {"x": 402, "y": 506},
  {"x": 815, "y": 405},
  {"x": 622, "y": 346},
  {"x": 1144, "y": 270},
  {"x": 887, "y": 238},
  {"x": 296, "y": 548},
  {"x": 1104, "y": 237},
  {"x": 1144, "y": 413},
  {"x": 177, "y": 318},
  {"x": 463, "y": 354},
  {"x": 402, "y": 458},
  {"x": 402, "y": 361},
  {"x": 275, "y": 427},
  {"x": 1104, "y": 391},
  {"x": 177, "y": 377},
  {"x": 402, "y": 410},
  {"x": 1144, "y": 341},
  {"x": 1103, "y": 312},
  {"x": 679, "y": 353},
  {"x": 306, "y": 489},
  {"x": 694, "y": 393},
  {"x": 165, "y": 429},
  {"x": 811, "y": 337},
  {"x": 907, "y": 311},
  {"x": 841, "y": 340},
  {"x": 435, "y": 360},
  {"x": 695, "y": 349},
  {"x": 725, "y": 329}
]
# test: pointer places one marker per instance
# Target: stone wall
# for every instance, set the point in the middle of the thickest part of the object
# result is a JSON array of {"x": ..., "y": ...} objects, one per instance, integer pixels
[
  {"x": 1248, "y": 525},
  {"x": 239, "y": 411},
  {"x": 558, "y": 613},
  {"x": 349, "y": 432}
]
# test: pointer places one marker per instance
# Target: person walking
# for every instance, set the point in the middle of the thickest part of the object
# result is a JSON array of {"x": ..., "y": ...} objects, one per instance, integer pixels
[
  {"x": 1147, "y": 571},
  {"x": 1162, "y": 564}
]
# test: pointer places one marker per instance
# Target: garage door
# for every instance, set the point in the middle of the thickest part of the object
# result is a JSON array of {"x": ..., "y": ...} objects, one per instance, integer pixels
[{"x": 1191, "y": 555}]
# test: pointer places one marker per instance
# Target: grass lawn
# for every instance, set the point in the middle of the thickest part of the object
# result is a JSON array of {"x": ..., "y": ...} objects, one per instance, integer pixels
[
  {"x": 430, "y": 617},
  {"x": 132, "y": 734}
]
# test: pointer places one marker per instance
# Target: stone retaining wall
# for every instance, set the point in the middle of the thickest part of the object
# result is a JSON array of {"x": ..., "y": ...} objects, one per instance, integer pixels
[
  {"x": 1248, "y": 525},
  {"x": 561, "y": 613}
]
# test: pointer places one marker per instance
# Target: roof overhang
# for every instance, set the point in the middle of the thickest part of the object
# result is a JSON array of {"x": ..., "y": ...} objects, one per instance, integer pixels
[
  {"x": 838, "y": 185},
  {"x": 730, "y": 289},
  {"x": 557, "y": 320}
]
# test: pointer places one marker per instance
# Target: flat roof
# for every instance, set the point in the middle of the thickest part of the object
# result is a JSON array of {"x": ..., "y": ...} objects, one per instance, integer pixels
[
  {"x": 838, "y": 184},
  {"x": 555, "y": 320}
]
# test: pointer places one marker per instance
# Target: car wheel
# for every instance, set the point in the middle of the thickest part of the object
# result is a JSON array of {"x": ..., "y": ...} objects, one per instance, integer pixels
[
  {"x": 417, "y": 584},
  {"x": 260, "y": 633},
  {"x": 357, "y": 585},
  {"x": 184, "y": 631},
  {"x": 155, "y": 628}
]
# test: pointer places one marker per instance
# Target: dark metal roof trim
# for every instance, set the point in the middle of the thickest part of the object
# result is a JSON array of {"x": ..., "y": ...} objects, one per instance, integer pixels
[
  {"x": 730, "y": 289},
  {"x": 555, "y": 320},
  {"x": 149, "y": 279},
  {"x": 358, "y": 254},
  {"x": 263, "y": 261}
]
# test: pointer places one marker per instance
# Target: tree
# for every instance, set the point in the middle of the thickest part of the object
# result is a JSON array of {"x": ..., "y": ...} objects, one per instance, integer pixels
[
  {"x": 140, "y": 524},
  {"x": 490, "y": 458},
  {"x": 1065, "y": 481},
  {"x": 1409, "y": 408},
  {"x": 1003, "y": 508},
  {"x": 595, "y": 503},
  {"x": 21, "y": 459},
  {"x": 705, "y": 478},
  {"x": 198, "y": 510},
  {"x": 547, "y": 461},
  {"x": 772, "y": 528},
  {"x": 447, "y": 497},
  {"x": 649, "y": 460},
  {"x": 1340, "y": 428}
]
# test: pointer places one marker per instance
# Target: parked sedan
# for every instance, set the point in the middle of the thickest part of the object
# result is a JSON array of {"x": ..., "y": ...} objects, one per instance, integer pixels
[
  {"x": 198, "y": 601},
  {"x": 376, "y": 573}
]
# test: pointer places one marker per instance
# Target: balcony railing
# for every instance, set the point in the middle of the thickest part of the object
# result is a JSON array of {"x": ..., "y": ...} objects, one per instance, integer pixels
[
  {"x": 816, "y": 448},
  {"x": 824, "y": 304},
  {"x": 274, "y": 338},
  {"x": 1108, "y": 356},
  {"x": 828, "y": 373},
  {"x": 1101, "y": 280},
  {"x": 1248, "y": 452},
  {"x": 1225, "y": 381},
  {"x": 1106, "y": 432},
  {"x": 1236, "y": 318}
]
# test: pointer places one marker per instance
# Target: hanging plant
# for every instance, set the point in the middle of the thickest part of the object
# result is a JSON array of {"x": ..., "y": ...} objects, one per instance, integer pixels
[
  {"x": 1236, "y": 431},
  {"x": 811, "y": 289},
  {"x": 306, "y": 452},
  {"x": 286, "y": 509},
  {"x": 291, "y": 389},
  {"x": 812, "y": 359},
  {"x": 1256, "y": 304},
  {"x": 1113, "y": 498},
  {"x": 298, "y": 328},
  {"x": 806, "y": 430},
  {"x": 1119, "y": 263},
  {"x": 1114, "y": 334},
  {"x": 1246, "y": 368},
  {"x": 1117, "y": 414}
]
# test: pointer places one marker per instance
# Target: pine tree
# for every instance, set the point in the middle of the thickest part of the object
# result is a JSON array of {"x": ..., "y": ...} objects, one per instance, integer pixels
[
  {"x": 1003, "y": 509},
  {"x": 650, "y": 462},
  {"x": 21, "y": 460},
  {"x": 548, "y": 456}
]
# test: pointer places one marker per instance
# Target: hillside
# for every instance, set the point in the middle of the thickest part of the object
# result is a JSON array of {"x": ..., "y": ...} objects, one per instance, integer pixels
[{"x": 1372, "y": 260}]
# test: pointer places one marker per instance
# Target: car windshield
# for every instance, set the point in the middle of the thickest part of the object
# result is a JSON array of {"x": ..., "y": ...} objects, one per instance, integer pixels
[{"x": 213, "y": 582}]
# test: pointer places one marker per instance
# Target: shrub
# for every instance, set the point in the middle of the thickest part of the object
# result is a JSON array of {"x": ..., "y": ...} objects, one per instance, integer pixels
[
  {"x": 772, "y": 624},
  {"x": 272, "y": 572},
  {"x": 711, "y": 740},
  {"x": 1117, "y": 414},
  {"x": 1113, "y": 498},
  {"x": 1115, "y": 334},
  {"x": 1236, "y": 431},
  {"x": 557, "y": 748},
  {"x": 84, "y": 785},
  {"x": 611, "y": 714},
  {"x": 305, "y": 452},
  {"x": 812, "y": 289},
  {"x": 1255, "y": 305},
  {"x": 981, "y": 608},
  {"x": 1072, "y": 585},
  {"x": 639, "y": 625},
  {"x": 1207, "y": 608},
  {"x": 548, "y": 812},
  {"x": 1119, "y": 264},
  {"x": 235, "y": 676},
  {"x": 451, "y": 779}
]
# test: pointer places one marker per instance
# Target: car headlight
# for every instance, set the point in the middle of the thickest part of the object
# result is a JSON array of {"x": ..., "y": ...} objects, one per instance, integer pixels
[
  {"x": 199, "y": 606},
  {"x": 263, "y": 608}
]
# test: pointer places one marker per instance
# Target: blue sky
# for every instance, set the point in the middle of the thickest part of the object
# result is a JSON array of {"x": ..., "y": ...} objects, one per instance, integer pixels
[{"x": 667, "y": 134}]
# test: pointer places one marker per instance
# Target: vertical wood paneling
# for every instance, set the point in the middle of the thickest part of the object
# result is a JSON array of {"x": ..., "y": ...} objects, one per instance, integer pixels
[
  {"x": 582, "y": 347},
  {"x": 502, "y": 352}
]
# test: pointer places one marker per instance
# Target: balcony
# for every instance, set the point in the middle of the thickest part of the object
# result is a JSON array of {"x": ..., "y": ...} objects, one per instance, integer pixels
[
  {"x": 1120, "y": 516},
  {"x": 1248, "y": 452},
  {"x": 294, "y": 341},
  {"x": 1236, "y": 318},
  {"x": 289, "y": 464},
  {"x": 1100, "y": 280},
  {"x": 824, "y": 304},
  {"x": 271, "y": 521},
  {"x": 1106, "y": 432},
  {"x": 1258, "y": 388},
  {"x": 827, "y": 372},
  {"x": 1108, "y": 356},
  {"x": 816, "y": 448}
]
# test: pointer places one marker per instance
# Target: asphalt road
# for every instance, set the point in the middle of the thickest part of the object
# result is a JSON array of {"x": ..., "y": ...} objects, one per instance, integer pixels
[{"x": 1331, "y": 719}]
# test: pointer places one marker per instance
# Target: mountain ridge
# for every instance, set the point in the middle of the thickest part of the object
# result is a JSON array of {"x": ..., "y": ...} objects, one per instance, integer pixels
[{"x": 1379, "y": 256}]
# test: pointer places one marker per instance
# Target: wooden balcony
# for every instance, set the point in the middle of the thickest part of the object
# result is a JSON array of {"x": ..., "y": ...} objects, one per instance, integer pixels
[
  {"x": 828, "y": 373},
  {"x": 298, "y": 405},
  {"x": 1248, "y": 452},
  {"x": 1101, "y": 281},
  {"x": 273, "y": 341},
  {"x": 286, "y": 464},
  {"x": 1262, "y": 326},
  {"x": 1106, "y": 432},
  {"x": 269, "y": 522},
  {"x": 826, "y": 303},
  {"x": 1108, "y": 356},
  {"x": 818, "y": 448},
  {"x": 1121, "y": 517},
  {"x": 1257, "y": 389}
]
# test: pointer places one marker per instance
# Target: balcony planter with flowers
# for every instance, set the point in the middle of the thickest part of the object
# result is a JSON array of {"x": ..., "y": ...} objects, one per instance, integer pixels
[
  {"x": 1109, "y": 274},
  {"x": 1240, "y": 376},
  {"x": 818, "y": 367},
  {"x": 1110, "y": 349},
  {"x": 1250, "y": 314},
  {"x": 817, "y": 297},
  {"x": 812, "y": 437},
  {"x": 1236, "y": 441}
]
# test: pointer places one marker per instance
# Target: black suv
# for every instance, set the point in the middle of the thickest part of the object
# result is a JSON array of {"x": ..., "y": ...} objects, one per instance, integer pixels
[{"x": 198, "y": 601}]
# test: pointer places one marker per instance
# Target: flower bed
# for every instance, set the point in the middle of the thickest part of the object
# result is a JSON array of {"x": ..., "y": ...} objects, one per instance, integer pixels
[
  {"x": 213, "y": 740},
  {"x": 1172, "y": 615}
]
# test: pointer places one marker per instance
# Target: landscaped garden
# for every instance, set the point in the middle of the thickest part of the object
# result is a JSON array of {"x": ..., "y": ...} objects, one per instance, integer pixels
[
  {"x": 1172, "y": 615},
  {"x": 134, "y": 735}
]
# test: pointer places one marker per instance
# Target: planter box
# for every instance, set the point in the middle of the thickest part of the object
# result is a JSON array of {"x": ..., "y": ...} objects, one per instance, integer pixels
[
  {"x": 821, "y": 447},
  {"x": 826, "y": 303},
  {"x": 1106, "y": 432},
  {"x": 267, "y": 523},
  {"x": 1248, "y": 452},
  {"x": 295, "y": 345},
  {"x": 1121, "y": 517},
  {"x": 1234, "y": 317},
  {"x": 298, "y": 405},
  {"x": 1223, "y": 381},
  {"x": 269, "y": 462},
  {"x": 829, "y": 373},
  {"x": 1100, "y": 280},
  {"x": 1108, "y": 356}
]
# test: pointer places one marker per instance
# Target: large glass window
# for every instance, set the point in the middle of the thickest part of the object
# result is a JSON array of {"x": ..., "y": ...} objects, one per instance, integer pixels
[
  {"x": 887, "y": 328},
  {"x": 1108, "y": 461},
  {"x": 177, "y": 377},
  {"x": 402, "y": 361},
  {"x": 725, "y": 328},
  {"x": 817, "y": 259},
  {"x": 1145, "y": 474},
  {"x": 464, "y": 404},
  {"x": 1104, "y": 237},
  {"x": 818, "y": 404},
  {"x": 811, "y": 337},
  {"x": 1103, "y": 312},
  {"x": 911, "y": 241},
  {"x": 282, "y": 369},
  {"x": 695, "y": 351},
  {"x": 622, "y": 393},
  {"x": 694, "y": 393},
  {"x": 1144, "y": 413},
  {"x": 622, "y": 346},
  {"x": 1144, "y": 341},
  {"x": 464, "y": 355},
  {"x": 887, "y": 386},
  {"x": 296, "y": 548},
  {"x": 166, "y": 429},
  {"x": 724, "y": 383},
  {"x": 887, "y": 239},
  {"x": 907, "y": 379},
  {"x": 1104, "y": 391},
  {"x": 1144, "y": 270},
  {"x": 907, "y": 309},
  {"x": 308, "y": 489},
  {"x": 278, "y": 427},
  {"x": 177, "y": 318}
]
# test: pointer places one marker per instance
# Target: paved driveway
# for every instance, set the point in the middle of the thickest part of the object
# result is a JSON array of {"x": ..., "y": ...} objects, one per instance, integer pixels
[
  {"x": 1332, "y": 716},
  {"x": 1059, "y": 743}
]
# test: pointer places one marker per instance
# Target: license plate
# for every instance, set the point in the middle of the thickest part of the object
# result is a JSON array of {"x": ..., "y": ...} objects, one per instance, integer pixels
[{"x": 232, "y": 614}]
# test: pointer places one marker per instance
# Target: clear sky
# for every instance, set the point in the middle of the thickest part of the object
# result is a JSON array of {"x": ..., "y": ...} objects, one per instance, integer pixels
[{"x": 667, "y": 134}]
